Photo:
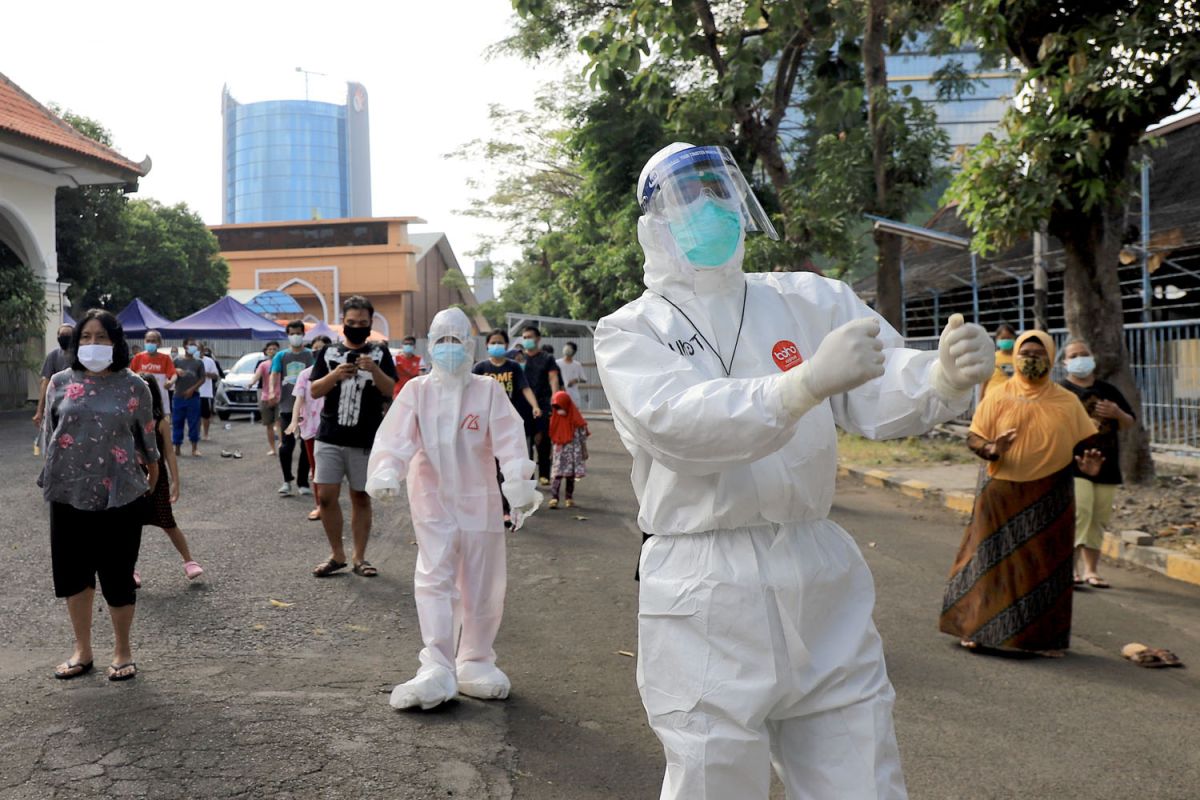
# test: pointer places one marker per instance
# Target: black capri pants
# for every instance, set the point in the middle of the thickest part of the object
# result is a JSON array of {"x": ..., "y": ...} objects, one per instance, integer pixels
[{"x": 86, "y": 543}]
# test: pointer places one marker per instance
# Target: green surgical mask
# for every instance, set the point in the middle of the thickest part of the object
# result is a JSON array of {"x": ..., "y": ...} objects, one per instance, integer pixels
[{"x": 1006, "y": 344}]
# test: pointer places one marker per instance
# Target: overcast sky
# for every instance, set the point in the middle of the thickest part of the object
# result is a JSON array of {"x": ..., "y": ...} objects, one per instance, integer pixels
[{"x": 152, "y": 73}]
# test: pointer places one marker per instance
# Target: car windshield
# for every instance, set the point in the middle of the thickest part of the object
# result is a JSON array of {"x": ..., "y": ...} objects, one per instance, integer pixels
[{"x": 246, "y": 364}]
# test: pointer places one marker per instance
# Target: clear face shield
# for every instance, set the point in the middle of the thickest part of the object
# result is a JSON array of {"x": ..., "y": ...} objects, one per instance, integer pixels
[{"x": 707, "y": 203}]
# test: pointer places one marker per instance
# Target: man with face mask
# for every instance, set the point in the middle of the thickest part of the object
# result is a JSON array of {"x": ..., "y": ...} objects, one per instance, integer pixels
[
  {"x": 285, "y": 369},
  {"x": 756, "y": 643},
  {"x": 356, "y": 380},
  {"x": 190, "y": 375},
  {"x": 444, "y": 434},
  {"x": 55, "y": 361}
]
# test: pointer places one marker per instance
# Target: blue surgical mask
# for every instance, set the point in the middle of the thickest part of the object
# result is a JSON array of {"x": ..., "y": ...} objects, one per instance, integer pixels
[
  {"x": 497, "y": 350},
  {"x": 408, "y": 349},
  {"x": 192, "y": 350},
  {"x": 449, "y": 356},
  {"x": 709, "y": 236},
  {"x": 151, "y": 348},
  {"x": 1081, "y": 366}
]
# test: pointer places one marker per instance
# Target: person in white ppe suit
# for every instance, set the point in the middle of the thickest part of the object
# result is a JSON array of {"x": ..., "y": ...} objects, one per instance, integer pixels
[
  {"x": 756, "y": 642},
  {"x": 443, "y": 434}
]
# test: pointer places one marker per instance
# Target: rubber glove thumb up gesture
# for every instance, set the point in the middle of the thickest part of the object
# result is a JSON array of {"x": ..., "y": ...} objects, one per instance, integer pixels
[
  {"x": 966, "y": 357},
  {"x": 847, "y": 358}
]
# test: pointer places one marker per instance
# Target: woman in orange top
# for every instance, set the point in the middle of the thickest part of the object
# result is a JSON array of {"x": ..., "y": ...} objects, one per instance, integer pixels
[
  {"x": 568, "y": 433},
  {"x": 1010, "y": 586}
]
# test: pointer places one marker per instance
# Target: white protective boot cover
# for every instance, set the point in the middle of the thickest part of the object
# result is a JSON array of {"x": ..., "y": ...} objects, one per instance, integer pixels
[
  {"x": 432, "y": 686},
  {"x": 483, "y": 681}
]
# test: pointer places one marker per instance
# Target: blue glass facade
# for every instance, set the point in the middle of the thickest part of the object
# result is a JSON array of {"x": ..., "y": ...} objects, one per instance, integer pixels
[
  {"x": 964, "y": 119},
  {"x": 285, "y": 160}
]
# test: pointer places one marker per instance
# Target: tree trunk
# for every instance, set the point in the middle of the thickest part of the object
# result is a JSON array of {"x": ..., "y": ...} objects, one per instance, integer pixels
[
  {"x": 889, "y": 299},
  {"x": 1093, "y": 312}
]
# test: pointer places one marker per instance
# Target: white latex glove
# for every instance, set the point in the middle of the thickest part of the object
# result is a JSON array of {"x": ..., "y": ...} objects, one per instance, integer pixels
[
  {"x": 966, "y": 358},
  {"x": 384, "y": 484},
  {"x": 847, "y": 358}
]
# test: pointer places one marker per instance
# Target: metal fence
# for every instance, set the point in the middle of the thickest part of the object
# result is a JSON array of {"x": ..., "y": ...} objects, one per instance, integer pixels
[{"x": 1165, "y": 360}]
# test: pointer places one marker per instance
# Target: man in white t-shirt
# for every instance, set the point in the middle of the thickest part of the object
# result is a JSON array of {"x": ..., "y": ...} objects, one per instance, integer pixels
[
  {"x": 572, "y": 372},
  {"x": 206, "y": 392}
]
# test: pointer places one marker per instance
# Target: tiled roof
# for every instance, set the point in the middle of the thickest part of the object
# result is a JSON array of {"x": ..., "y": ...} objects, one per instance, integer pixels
[{"x": 22, "y": 115}]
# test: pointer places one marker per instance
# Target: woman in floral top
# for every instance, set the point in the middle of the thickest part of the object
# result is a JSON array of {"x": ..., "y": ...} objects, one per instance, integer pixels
[{"x": 99, "y": 432}]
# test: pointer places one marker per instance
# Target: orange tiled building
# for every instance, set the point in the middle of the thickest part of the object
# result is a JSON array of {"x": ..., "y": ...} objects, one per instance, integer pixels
[{"x": 322, "y": 262}]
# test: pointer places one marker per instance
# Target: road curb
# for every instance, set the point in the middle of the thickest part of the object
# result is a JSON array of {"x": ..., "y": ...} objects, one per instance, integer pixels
[{"x": 1122, "y": 549}]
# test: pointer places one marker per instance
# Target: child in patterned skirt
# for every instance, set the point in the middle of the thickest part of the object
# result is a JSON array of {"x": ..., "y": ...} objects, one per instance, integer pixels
[{"x": 569, "y": 433}]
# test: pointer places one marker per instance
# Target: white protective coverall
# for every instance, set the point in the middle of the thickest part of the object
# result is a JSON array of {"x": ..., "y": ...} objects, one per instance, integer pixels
[
  {"x": 756, "y": 640},
  {"x": 442, "y": 434}
]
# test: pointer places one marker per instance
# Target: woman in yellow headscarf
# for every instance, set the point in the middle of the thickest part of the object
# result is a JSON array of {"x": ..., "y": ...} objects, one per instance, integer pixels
[
  {"x": 1005, "y": 347},
  {"x": 1010, "y": 586}
]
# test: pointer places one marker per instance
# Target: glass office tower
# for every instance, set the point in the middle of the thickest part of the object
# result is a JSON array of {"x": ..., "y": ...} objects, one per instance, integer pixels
[
  {"x": 965, "y": 119},
  {"x": 296, "y": 159}
]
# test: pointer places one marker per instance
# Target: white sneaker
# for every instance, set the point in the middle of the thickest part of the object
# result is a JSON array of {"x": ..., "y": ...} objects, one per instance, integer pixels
[
  {"x": 431, "y": 687},
  {"x": 483, "y": 681},
  {"x": 305, "y": 491},
  {"x": 287, "y": 490}
]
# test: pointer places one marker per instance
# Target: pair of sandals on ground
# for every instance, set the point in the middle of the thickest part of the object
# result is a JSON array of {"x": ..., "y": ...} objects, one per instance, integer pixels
[
  {"x": 331, "y": 565},
  {"x": 73, "y": 669}
]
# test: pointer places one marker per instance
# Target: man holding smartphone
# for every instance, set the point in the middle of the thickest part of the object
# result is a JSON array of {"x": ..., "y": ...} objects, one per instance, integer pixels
[{"x": 356, "y": 378}]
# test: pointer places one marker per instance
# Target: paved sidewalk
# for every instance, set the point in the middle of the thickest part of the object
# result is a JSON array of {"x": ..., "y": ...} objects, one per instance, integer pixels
[{"x": 954, "y": 486}]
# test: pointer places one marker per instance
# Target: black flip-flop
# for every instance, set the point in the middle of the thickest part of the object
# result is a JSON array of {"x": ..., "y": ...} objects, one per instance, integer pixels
[
  {"x": 365, "y": 569},
  {"x": 327, "y": 568},
  {"x": 115, "y": 669},
  {"x": 84, "y": 669}
]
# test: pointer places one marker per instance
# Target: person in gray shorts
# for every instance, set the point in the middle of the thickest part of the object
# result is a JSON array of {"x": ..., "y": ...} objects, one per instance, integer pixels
[{"x": 356, "y": 379}]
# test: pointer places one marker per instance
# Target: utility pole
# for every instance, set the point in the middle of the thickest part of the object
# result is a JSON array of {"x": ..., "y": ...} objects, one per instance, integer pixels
[
  {"x": 308, "y": 72},
  {"x": 1041, "y": 282}
]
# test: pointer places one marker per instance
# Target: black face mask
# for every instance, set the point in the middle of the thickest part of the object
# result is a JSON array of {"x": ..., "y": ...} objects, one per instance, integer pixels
[
  {"x": 354, "y": 335},
  {"x": 64, "y": 342}
]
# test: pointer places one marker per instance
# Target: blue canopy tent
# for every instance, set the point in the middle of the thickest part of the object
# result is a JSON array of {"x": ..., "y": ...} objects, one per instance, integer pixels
[
  {"x": 224, "y": 319},
  {"x": 137, "y": 318},
  {"x": 273, "y": 304}
]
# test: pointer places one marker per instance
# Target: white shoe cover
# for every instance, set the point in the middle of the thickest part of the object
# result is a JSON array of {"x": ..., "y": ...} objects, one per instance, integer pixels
[
  {"x": 431, "y": 687},
  {"x": 483, "y": 681}
]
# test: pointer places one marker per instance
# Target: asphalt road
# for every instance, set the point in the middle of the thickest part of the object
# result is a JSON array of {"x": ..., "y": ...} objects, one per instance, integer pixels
[{"x": 238, "y": 697}]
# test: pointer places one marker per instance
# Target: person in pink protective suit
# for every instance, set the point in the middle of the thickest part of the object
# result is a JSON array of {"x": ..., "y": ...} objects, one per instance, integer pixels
[{"x": 444, "y": 434}]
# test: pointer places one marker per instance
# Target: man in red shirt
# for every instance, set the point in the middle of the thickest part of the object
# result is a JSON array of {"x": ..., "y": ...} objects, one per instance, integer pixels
[
  {"x": 408, "y": 364},
  {"x": 157, "y": 364}
]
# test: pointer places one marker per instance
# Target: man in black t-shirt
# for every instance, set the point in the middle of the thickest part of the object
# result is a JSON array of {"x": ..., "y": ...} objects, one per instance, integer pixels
[
  {"x": 55, "y": 361},
  {"x": 356, "y": 379},
  {"x": 543, "y": 376},
  {"x": 1094, "y": 494}
]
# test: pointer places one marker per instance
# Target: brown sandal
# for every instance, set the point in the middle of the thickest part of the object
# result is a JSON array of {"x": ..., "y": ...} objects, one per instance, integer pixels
[
  {"x": 327, "y": 568},
  {"x": 365, "y": 569}
]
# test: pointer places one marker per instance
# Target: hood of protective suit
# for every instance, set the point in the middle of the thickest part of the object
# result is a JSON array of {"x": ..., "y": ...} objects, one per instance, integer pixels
[
  {"x": 452, "y": 323},
  {"x": 667, "y": 270}
]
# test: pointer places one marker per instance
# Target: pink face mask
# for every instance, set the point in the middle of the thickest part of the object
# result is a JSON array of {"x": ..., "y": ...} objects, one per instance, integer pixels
[{"x": 561, "y": 412}]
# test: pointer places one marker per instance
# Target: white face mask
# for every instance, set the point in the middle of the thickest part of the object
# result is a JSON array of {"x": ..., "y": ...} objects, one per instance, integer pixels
[
  {"x": 296, "y": 339},
  {"x": 96, "y": 357},
  {"x": 1081, "y": 366}
]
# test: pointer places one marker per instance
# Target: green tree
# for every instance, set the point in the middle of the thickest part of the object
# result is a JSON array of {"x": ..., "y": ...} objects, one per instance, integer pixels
[
  {"x": 22, "y": 300},
  {"x": 112, "y": 250},
  {"x": 86, "y": 219},
  {"x": 1098, "y": 72},
  {"x": 731, "y": 72},
  {"x": 165, "y": 255}
]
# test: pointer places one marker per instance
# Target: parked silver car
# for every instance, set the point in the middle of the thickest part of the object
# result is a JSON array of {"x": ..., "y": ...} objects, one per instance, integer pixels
[{"x": 234, "y": 395}]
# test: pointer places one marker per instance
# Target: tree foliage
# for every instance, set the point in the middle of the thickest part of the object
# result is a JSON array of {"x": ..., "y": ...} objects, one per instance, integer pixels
[
  {"x": 112, "y": 249},
  {"x": 1098, "y": 72},
  {"x": 22, "y": 300},
  {"x": 780, "y": 83}
]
